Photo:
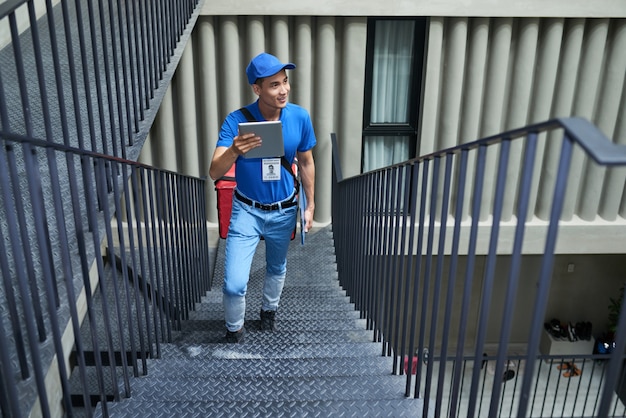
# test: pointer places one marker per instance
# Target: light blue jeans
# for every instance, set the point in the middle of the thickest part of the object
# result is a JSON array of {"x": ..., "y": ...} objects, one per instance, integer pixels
[{"x": 247, "y": 225}]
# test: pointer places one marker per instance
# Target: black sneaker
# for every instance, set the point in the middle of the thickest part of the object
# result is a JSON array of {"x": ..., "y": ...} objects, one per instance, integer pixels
[
  {"x": 236, "y": 337},
  {"x": 268, "y": 320}
]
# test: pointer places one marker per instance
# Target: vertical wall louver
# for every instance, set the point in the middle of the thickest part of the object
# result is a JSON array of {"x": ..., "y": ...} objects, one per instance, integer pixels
[
  {"x": 482, "y": 76},
  {"x": 210, "y": 82},
  {"x": 486, "y": 76}
]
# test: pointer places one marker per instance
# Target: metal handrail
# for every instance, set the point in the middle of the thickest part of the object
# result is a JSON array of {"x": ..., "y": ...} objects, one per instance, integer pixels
[
  {"x": 129, "y": 240},
  {"x": 90, "y": 74},
  {"x": 402, "y": 219},
  {"x": 81, "y": 225}
]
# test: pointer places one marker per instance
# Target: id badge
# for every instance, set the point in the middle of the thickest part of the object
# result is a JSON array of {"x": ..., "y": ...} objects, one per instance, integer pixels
[{"x": 271, "y": 169}]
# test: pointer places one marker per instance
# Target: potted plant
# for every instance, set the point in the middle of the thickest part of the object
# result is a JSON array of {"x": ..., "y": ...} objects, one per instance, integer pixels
[
  {"x": 605, "y": 342},
  {"x": 615, "y": 307}
]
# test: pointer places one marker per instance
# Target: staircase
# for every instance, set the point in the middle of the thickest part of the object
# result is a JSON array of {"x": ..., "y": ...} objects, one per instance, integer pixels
[{"x": 320, "y": 362}]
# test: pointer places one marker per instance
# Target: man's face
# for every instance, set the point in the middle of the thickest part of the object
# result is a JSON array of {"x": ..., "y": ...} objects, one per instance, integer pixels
[{"x": 273, "y": 91}]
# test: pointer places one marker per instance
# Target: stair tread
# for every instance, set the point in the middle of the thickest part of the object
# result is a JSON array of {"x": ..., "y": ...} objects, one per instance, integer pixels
[
  {"x": 223, "y": 388},
  {"x": 327, "y": 324},
  {"x": 280, "y": 337},
  {"x": 283, "y": 315},
  {"x": 287, "y": 305},
  {"x": 242, "y": 351},
  {"x": 372, "y": 408},
  {"x": 288, "y": 292},
  {"x": 273, "y": 367},
  {"x": 321, "y": 361}
]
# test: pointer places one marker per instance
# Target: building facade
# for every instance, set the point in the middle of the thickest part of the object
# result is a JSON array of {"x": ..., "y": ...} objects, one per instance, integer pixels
[
  {"x": 396, "y": 80},
  {"x": 466, "y": 77}
]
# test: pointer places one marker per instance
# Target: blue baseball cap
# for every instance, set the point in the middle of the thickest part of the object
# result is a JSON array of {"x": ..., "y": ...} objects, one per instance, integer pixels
[{"x": 265, "y": 65}]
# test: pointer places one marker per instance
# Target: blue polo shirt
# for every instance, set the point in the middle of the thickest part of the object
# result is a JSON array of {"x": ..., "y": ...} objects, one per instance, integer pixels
[{"x": 298, "y": 136}]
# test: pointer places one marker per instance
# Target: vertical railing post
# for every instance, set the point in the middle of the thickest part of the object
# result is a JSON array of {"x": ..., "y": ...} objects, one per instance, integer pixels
[
  {"x": 516, "y": 259},
  {"x": 407, "y": 278},
  {"x": 142, "y": 278},
  {"x": 380, "y": 242},
  {"x": 452, "y": 279},
  {"x": 46, "y": 265},
  {"x": 392, "y": 266},
  {"x": 386, "y": 241},
  {"x": 382, "y": 274},
  {"x": 489, "y": 275},
  {"x": 545, "y": 274},
  {"x": 469, "y": 274},
  {"x": 438, "y": 279},
  {"x": 402, "y": 258},
  {"x": 98, "y": 177},
  {"x": 417, "y": 277},
  {"x": 427, "y": 278}
]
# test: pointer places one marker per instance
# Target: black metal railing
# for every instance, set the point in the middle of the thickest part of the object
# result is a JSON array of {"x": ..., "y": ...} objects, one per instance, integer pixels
[
  {"x": 407, "y": 241},
  {"x": 90, "y": 74},
  {"x": 100, "y": 259}
]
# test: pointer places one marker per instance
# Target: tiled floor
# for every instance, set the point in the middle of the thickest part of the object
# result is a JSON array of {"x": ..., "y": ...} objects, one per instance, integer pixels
[{"x": 552, "y": 393}]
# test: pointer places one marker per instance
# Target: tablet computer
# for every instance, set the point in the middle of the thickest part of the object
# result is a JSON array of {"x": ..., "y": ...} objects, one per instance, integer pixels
[{"x": 271, "y": 133}]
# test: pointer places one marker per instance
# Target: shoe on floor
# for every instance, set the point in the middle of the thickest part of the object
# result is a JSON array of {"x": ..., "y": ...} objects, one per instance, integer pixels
[
  {"x": 565, "y": 366},
  {"x": 572, "y": 372},
  {"x": 236, "y": 337},
  {"x": 268, "y": 320}
]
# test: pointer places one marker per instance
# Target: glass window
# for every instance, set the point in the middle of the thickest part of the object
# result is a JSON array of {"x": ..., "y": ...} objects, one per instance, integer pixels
[{"x": 393, "y": 87}]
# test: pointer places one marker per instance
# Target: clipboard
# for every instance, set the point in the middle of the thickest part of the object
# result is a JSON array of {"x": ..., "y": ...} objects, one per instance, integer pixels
[{"x": 271, "y": 133}]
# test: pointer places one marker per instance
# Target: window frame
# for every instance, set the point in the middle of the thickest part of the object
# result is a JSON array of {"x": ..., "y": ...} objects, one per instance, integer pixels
[{"x": 410, "y": 128}]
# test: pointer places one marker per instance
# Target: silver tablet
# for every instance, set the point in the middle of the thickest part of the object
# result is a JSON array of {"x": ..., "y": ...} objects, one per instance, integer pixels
[{"x": 271, "y": 133}]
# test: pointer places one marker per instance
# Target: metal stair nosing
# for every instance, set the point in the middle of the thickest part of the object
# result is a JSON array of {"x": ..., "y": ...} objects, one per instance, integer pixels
[
  {"x": 301, "y": 409},
  {"x": 191, "y": 367},
  {"x": 274, "y": 388}
]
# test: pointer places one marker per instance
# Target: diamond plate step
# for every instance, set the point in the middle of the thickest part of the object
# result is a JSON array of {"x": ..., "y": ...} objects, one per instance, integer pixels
[
  {"x": 285, "y": 299},
  {"x": 292, "y": 314},
  {"x": 269, "y": 388},
  {"x": 296, "y": 291},
  {"x": 292, "y": 281},
  {"x": 254, "y": 302},
  {"x": 261, "y": 368},
  {"x": 283, "y": 324},
  {"x": 369, "y": 408},
  {"x": 255, "y": 351},
  {"x": 321, "y": 361},
  {"x": 279, "y": 337}
]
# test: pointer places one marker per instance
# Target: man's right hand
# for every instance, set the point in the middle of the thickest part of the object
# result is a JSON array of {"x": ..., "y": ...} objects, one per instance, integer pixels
[
  {"x": 244, "y": 143},
  {"x": 225, "y": 157}
]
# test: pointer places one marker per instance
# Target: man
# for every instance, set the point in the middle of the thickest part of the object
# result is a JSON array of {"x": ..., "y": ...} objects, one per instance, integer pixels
[{"x": 263, "y": 205}]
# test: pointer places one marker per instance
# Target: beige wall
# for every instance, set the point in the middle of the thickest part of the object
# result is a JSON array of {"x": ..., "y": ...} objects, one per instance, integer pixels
[
  {"x": 584, "y": 293},
  {"x": 491, "y": 8},
  {"x": 581, "y": 295},
  {"x": 482, "y": 76},
  {"x": 210, "y": 82}
]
